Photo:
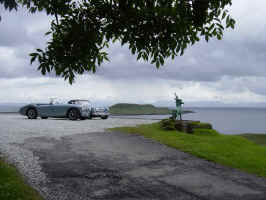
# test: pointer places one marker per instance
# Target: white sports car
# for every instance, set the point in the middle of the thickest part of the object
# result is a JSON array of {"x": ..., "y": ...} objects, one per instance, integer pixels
[{"x": 73, "y": 110}]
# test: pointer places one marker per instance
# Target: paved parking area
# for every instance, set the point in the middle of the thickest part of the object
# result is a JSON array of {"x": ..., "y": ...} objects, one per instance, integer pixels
[
  {"x": 15, "y": 127},
  {"x": 79, "y": 160}
]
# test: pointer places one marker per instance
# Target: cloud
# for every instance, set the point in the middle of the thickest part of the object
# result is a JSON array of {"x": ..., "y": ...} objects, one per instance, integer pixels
[
  {"x": 108, "y": 92},
  {"x": 21, "y": 32},
  {"x": 202, "y": 62}
]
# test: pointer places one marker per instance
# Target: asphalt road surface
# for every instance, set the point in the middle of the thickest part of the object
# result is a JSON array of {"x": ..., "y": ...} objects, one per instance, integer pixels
[{"x": 79, "y": 160}]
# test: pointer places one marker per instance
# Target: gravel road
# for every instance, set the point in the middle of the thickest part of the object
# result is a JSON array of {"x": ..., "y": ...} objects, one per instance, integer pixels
[
  {"x": 15, "y": 129},
  {"x": 79, "y": 160}
]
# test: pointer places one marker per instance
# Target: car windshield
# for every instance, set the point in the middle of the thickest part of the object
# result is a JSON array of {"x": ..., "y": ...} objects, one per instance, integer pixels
[
  {"x": 56, "y": 101},
  {"x": 80, "y": 102}
]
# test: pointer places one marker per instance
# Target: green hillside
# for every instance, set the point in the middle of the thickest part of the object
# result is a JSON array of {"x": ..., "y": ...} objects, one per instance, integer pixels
[{"x": 138, "y": 109}]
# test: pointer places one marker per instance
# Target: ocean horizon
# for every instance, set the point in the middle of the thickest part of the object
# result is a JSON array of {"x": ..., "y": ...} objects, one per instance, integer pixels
[{"x": 227, "y": 120}]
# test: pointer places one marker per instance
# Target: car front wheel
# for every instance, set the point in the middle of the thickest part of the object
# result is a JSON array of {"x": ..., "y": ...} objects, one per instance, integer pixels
[
  {"x": 32, "y": 113},
  {"x": 73, "y": 114}
]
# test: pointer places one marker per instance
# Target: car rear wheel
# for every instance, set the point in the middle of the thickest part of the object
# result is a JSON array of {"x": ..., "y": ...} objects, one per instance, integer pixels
[
  {"x": 44, "y": 117},
  {"x": 104, "y": 117},
  {"x": 32, "y": 113},
  {"x": 73, "y": 114}
]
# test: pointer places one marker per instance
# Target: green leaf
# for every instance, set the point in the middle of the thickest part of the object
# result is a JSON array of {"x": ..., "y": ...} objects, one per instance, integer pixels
[
  {"x": 224, "y": 15},
  {"x": 161, "y": 60},
  {"x": 207, "y": 38},
  {"x": 33, "y": 59},
  {"x": 139, "y": 56},
  {"x": 39, "y": 50},
  {"x": 157, "y": 64},
  {"x": 211, "y": 27},
  {"x": 48, "y": 33},
  {"x": 219, "y": 37}
]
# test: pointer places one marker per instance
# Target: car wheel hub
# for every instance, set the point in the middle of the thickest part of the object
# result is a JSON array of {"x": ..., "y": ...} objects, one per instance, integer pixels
[
  {"x": 72, "y": 115},
  {"x": 31, "y": 113}
]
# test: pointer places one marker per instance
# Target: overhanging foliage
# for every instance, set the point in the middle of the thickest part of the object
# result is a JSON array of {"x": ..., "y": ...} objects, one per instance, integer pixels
[{"x": 154, "y": 30}]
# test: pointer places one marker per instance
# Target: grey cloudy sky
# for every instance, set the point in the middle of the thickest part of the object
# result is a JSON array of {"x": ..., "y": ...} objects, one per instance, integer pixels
[{"x": 231, "y": 71}]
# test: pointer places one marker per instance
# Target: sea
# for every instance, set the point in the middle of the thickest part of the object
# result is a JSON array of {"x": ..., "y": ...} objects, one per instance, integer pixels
[
  {"x": 232, "y": 120},
  {"x": 10, "y": 107},
  {"x": 225, "y": 120}
]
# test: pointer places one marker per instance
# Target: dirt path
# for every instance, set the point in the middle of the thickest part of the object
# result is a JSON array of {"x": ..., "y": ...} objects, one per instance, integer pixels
[{"x": 102, "y": 165}]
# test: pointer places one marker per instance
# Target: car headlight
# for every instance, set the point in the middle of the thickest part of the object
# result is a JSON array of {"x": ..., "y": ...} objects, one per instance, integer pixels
[{"x": 85, "y": 108}]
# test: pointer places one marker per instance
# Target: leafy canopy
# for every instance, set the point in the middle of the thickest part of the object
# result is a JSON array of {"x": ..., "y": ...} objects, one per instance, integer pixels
[{"x": 152, "y": 29}]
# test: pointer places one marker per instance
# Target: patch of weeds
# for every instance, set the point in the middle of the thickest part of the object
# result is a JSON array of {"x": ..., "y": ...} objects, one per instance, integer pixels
[{"x": 12, "y": 185}]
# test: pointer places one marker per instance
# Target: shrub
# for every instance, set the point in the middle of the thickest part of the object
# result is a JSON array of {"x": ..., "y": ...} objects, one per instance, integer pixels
[
  {"x": 168, "y": 124},
  {"x": 188, "y": 126}
]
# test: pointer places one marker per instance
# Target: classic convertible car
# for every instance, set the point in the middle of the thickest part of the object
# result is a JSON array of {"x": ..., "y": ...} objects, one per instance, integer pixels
[{"x": 73, "y": 110}]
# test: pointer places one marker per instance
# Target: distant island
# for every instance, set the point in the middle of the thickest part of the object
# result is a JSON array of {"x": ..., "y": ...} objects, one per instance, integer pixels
[{"x": 140, "y": 109}]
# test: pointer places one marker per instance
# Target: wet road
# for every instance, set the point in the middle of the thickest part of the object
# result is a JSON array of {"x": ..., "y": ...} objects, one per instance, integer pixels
[{"x": 79, "y": 160}]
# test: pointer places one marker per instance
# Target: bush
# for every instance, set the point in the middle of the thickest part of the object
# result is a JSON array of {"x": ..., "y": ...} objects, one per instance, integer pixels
[
  {"x": 168, "y": 124},
  {"x": 188, "y": 126}
]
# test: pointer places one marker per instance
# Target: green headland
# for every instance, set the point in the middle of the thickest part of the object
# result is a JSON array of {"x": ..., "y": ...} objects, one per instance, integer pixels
[{"x": 140, "y": 109}]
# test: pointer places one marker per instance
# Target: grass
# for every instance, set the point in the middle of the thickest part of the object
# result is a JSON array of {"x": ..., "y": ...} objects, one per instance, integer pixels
[
  {"x": 201, "y": 125},
  {"x": 12, "y": 185},
  {"x": 259, "y": 139},
  {"x": 229, "y": 150}
]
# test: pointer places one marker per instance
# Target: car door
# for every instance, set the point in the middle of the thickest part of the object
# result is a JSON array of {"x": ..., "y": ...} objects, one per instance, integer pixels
[
  {"x": 60, "y": 110},
  {"x": 46, "y": 110}
]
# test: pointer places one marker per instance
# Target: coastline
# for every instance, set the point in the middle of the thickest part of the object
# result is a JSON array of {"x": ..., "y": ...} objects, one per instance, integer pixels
[
  {"x": 1, "y": 113},
  {"x": 184, "y": 112}
]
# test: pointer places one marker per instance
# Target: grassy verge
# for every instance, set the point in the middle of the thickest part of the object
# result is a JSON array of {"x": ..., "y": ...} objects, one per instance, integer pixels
[
  {"x": 259, "y": 139},
  {"x": 230, "y": 150},
  {"x": 12, "y": 186}
]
